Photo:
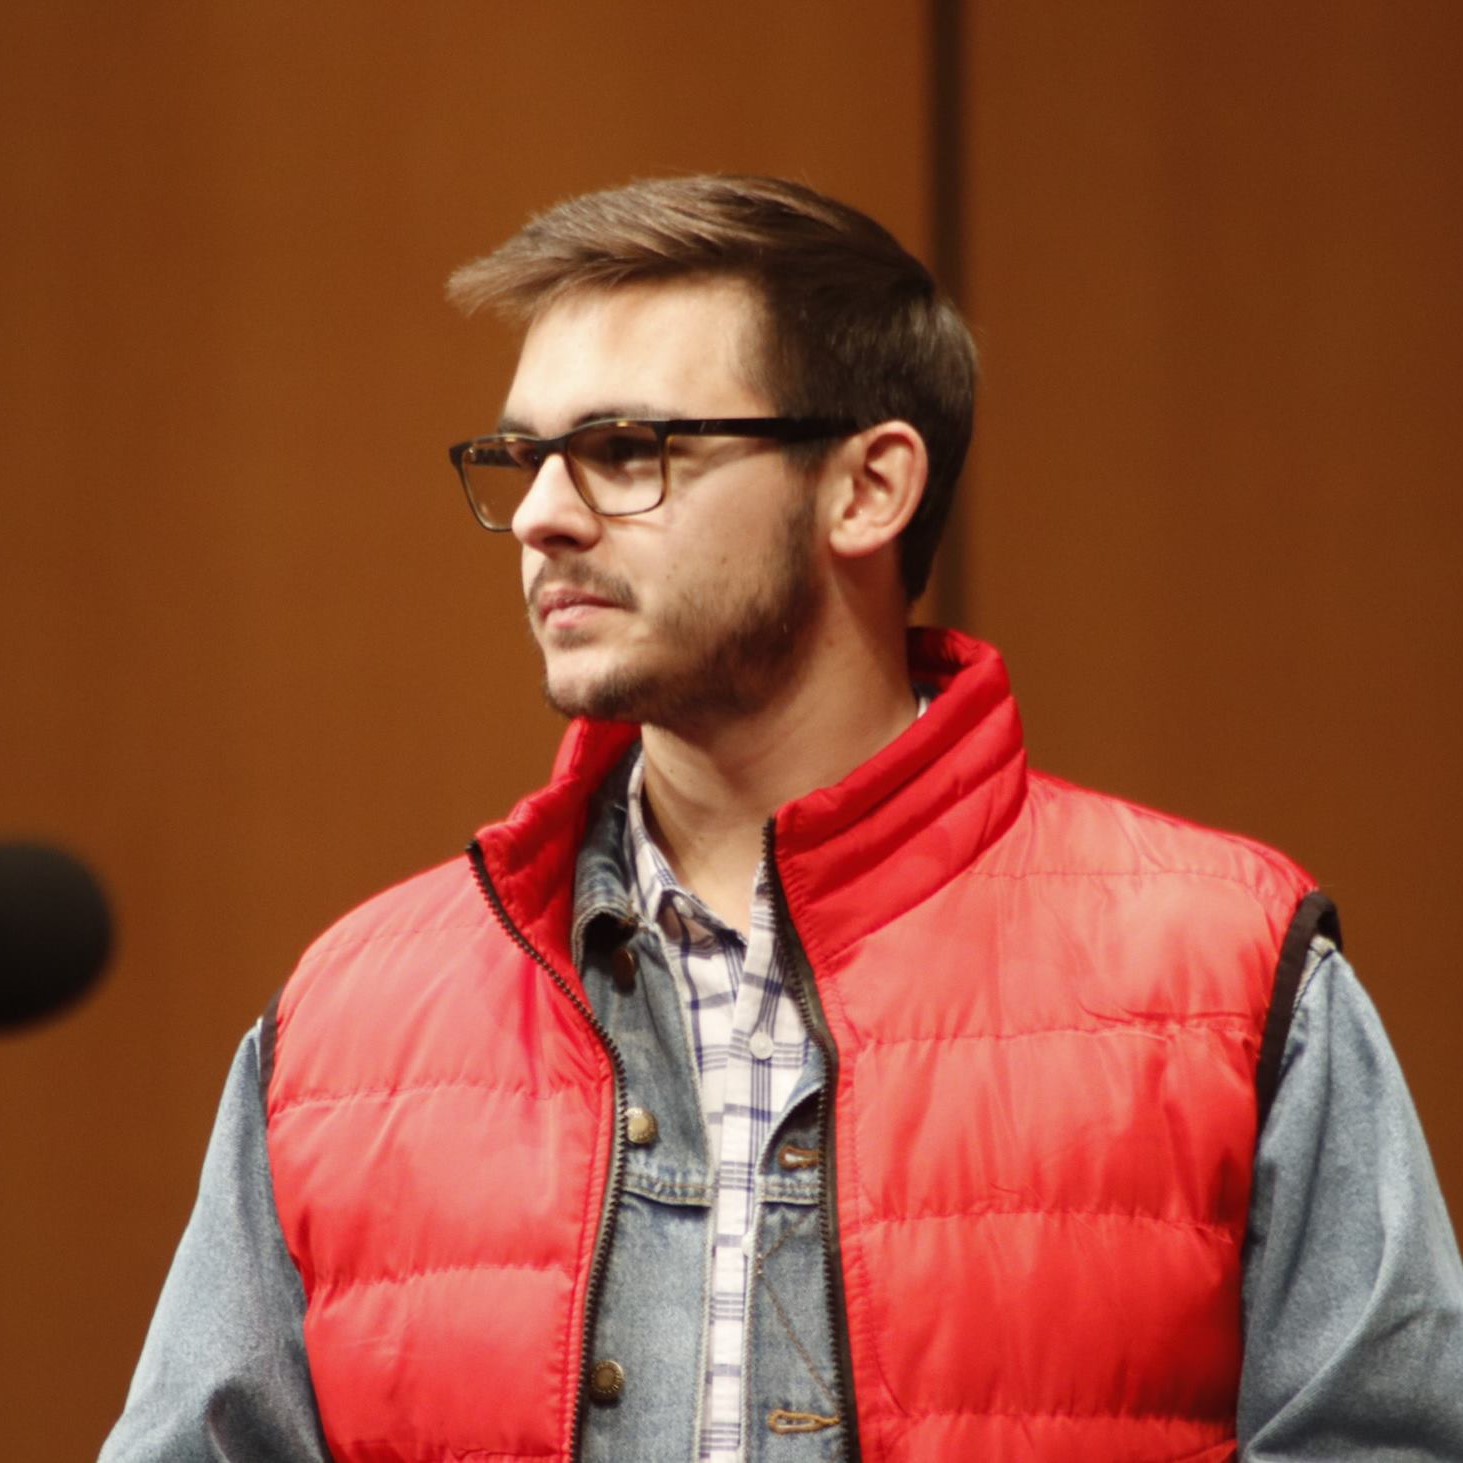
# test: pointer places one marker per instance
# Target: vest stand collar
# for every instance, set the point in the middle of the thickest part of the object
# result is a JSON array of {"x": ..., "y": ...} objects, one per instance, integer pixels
[{"x": 834, "y": 839}]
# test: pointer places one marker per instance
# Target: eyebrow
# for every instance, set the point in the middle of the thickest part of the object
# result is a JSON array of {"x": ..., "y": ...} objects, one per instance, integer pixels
[{"x": 622, "y": 411}]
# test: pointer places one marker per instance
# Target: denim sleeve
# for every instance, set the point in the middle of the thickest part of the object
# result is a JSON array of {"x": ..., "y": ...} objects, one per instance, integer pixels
[
  {"x": 223, "y": 1376},
  {"x": 1352, "y": 1284}
]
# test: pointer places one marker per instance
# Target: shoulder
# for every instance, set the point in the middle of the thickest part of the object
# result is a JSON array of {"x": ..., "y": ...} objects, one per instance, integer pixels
[
  {"x": 438, "y": 898},
  {"x": 1090, "y": 833},
  {"x": 381, "y": 956},
  {"x": 1158, "y": 897}
]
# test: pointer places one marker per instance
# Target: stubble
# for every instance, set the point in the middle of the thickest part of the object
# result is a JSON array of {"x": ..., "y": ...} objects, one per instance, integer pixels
[{"x": 723, "y": 661}]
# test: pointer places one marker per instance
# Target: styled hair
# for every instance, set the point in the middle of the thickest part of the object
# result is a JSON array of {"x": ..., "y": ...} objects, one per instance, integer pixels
[{"x": 853, "y": 325}]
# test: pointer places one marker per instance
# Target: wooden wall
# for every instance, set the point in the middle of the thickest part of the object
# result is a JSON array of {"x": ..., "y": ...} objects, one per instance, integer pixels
[
  {"x": 1216, "y": 518},
  {"x": 257, "y": 661}
]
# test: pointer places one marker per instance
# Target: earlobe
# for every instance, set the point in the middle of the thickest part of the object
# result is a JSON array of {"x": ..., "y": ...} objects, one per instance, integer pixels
[{"x": 886, "y": 468}]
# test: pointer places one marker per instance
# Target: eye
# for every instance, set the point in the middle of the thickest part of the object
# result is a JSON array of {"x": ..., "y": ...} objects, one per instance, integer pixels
[
  {"x": 625, "y": 447},
  {"x": 621, "y": 449},
  {"x": 522, "y": 453},
  {"x": 633, "y": 449}
]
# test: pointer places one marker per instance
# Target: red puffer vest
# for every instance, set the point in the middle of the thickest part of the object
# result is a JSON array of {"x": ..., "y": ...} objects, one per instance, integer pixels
[{"x": 1047, "y": 1008}]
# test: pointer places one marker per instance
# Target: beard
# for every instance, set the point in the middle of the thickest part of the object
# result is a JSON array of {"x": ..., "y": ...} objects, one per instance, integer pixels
[{"x": 731, "y": 659}]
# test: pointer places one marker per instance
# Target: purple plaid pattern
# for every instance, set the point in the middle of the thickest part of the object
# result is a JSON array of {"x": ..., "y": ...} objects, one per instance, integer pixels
[{"x": 751, "y": 1046}]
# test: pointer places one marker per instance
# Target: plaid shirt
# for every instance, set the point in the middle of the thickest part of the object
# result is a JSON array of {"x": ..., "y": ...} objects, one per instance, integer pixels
[{"x": 750, "y": 1046}]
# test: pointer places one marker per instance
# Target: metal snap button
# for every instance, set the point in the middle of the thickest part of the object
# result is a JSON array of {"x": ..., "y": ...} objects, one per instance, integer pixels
[
  {"x": 606, "y": 1381},
  {"x": 641, "y": 1127}
]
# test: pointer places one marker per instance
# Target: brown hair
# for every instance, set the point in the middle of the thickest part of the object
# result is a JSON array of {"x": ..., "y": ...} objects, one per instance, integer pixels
[{"x": 854, "y": 324}]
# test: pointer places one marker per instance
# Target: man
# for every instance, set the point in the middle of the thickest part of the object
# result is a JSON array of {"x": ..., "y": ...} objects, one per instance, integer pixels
[{"x": 797, "y": 1076}]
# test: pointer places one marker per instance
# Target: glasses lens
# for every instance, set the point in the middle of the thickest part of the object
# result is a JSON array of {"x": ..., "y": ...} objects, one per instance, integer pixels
[
  {"x": 617, "y": 467},
  {"x": 498, "y": 471}
]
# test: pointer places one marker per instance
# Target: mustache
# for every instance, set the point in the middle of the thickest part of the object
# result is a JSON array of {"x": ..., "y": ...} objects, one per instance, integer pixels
[{"x": 578, "y": 575}]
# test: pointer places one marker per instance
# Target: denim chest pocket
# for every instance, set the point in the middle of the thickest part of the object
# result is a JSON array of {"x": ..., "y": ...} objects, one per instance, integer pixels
[
  {"x": 791, "y": 1409},
  {"x": 650, "y": 1326}
]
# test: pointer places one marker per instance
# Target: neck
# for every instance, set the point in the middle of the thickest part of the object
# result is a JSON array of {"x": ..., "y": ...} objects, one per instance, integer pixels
[{"x": 711, "y": 789}]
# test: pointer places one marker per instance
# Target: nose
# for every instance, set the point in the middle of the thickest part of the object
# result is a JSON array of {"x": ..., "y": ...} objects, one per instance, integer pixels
[{"x": 552, "y": 516}]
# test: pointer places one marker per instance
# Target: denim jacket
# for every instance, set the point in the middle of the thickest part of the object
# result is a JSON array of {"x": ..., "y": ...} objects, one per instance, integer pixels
[{"x": 652, "y": 1314}]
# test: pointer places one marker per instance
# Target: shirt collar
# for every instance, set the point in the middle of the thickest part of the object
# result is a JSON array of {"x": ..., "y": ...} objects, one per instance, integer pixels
[{"x": 654, "y": 890}]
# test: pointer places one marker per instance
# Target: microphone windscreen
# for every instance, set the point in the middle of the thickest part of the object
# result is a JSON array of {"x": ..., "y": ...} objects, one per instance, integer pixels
[{"x": 55, "y": 931}]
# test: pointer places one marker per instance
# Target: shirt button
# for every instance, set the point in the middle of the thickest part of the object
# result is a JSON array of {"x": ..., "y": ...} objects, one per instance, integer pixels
[
  {"x": 623, "y": 966},
  {"x": 606, "y": 1381},
  {"x": 749, "y": 1244},
  {"x": 761, "y": 1045},
  {"x": 641, "y": 1127}
]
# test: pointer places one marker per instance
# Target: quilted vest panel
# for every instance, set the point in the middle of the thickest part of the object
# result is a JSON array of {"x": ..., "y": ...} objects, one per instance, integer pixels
[
  {"x": 440, "y": 1125},
  {"x": 1045, "y": 1127}
]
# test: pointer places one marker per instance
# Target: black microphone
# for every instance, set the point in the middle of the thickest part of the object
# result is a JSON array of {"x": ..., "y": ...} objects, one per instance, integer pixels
[{"x": 55, "y": 932}]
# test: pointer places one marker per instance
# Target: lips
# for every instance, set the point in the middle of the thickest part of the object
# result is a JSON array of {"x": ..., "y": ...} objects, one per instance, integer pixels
[
  {"x": 552, "y": 600},
  {"x": 566, "y": 596},
  {"x": 565, "y": 607}
]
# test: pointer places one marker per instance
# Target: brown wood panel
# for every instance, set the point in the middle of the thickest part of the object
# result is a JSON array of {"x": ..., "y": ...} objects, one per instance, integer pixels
[
  {"x": 1217, "y": 520},
  {"x": 257, "y": 659}
]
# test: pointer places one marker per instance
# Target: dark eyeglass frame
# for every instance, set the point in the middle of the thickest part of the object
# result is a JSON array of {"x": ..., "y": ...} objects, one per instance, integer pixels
[{"x": 782, "y": 430}]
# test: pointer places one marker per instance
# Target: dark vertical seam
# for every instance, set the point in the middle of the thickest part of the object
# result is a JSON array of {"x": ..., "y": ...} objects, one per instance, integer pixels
[
  {"x": 1315, "y": 915},
  {"x": 268, "y": 1038},
  {"x": 954, "y": 594}
]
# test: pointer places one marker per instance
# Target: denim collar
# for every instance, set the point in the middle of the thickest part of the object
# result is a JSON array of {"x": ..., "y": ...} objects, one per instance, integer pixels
[{"x": 602, "y": 880}]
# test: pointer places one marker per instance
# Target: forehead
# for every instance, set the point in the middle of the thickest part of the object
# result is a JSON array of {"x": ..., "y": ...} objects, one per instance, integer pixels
[{"x": 681, "y": 348}]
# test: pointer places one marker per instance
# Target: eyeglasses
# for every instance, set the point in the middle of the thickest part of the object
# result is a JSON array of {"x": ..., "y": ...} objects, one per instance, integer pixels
[{"x": 619, "y": 467}]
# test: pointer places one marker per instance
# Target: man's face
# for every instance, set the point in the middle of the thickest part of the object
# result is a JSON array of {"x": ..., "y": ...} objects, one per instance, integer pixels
[{"x": 700, "y": 609}]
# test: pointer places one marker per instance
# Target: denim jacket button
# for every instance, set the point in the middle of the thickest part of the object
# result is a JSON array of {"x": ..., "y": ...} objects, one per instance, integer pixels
[
  {"x": 623, "y": 966},
  {"x": 641, "y": 1127},
  {"x": 606, "y": 1381},
  {"x": 791, "y": 1158}
]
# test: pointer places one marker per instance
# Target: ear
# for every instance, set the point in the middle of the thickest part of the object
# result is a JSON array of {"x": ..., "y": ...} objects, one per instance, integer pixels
[{"x": 884, "y": 470}]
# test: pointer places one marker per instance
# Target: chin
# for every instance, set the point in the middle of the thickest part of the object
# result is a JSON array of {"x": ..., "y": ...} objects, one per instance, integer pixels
[{"x": 605, "y": 693}]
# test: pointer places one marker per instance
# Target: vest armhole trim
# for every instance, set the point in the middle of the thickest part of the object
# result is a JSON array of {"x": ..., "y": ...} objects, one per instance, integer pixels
[
  {"x": 1316, "y": 915},
  {"x": 268, "y": 1035}
]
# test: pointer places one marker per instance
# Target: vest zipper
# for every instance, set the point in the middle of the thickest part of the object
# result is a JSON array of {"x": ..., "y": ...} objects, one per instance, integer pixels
[
  {"x": 617, "y": 1155},
  {"x": 810, "y": 1004}
]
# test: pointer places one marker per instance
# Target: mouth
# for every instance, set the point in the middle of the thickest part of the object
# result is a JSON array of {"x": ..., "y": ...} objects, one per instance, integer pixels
[{"x": 565, "y": 608}]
